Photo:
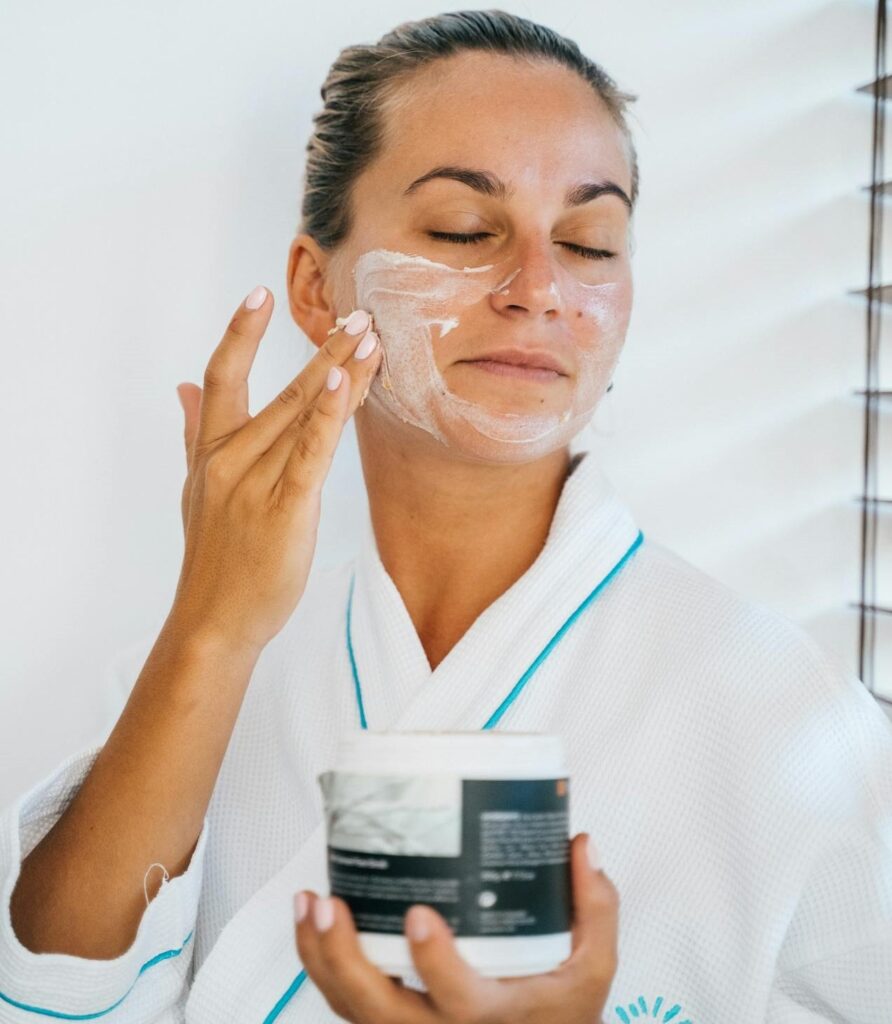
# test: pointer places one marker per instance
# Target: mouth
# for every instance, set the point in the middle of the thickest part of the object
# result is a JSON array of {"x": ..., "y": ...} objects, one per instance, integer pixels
[
  {"x": 531, "y": 373},
  {"x": 521, "y": 364}
]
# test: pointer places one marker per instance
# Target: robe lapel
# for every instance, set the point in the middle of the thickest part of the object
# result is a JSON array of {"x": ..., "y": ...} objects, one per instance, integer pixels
[
  {"x": 591, "y": 531},
  {"x": 390, "y": 660},
  {"x": 254, "y": 962}
]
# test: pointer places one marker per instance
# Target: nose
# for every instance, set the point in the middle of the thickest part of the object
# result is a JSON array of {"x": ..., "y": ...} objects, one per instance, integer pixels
[{"x": 532, "y": 288}]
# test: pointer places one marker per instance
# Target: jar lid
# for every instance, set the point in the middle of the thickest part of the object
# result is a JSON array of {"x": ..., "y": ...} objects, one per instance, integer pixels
[{"x": 478, "y": 753}]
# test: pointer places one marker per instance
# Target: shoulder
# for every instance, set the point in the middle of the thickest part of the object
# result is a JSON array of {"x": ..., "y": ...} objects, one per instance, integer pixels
[
  {"x": 711, "y": 620},
  {"x": 759, "y": 674},
  {"x": 739, "y": 646}
]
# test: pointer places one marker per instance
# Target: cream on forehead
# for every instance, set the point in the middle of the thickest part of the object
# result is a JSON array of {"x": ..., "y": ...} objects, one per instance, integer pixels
[{"x": 416, "y": 302}]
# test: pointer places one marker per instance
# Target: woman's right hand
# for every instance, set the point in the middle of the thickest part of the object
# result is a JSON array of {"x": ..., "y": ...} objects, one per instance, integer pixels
[{"x": 251, "y": 499}]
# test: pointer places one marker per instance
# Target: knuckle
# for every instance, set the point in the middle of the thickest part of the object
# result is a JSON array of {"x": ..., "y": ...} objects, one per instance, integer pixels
[
  {"x": 239, "y": 326},
  {"x": 218, "y": 467},
  {"x": 326, "y": 354},
  {"x": 603, "y": 891},
  {"x": 309, "y": 445},
  {"x": 293, "y": 394},
  {"x": 610, "y": 891},
  {"x": 290, "y": 487},
  {"x": 215, "y": 377},
  {"x": 300, "y": 421},
  {"x": 325, "y": 413},
  {"x": 247, "y": 495}
]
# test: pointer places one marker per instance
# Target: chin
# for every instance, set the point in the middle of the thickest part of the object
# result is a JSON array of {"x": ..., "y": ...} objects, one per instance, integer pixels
[
  {"x": 472, "y": 427},
  {"x": 499, "y": 441},
  {"x": 509, "y": 395}
]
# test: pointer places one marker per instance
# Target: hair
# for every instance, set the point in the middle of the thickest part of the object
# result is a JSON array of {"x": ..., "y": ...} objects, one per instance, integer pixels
[{"x": 363, "y": 86}]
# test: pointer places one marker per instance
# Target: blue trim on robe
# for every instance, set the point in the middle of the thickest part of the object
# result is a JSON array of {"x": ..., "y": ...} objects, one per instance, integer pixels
[
  {"x": 166, "y": 955},
  {"x": 490, "y": 722}
]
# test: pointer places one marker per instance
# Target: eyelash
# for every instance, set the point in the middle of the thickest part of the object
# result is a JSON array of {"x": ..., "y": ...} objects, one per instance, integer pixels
[{"x": 470, "y": 239}]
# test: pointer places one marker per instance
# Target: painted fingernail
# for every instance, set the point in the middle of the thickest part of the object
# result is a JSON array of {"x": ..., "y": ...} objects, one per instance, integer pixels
[
  {"x": 255, "y": 299},
  {"x": 357, "y": 322},
  {"x": 594, "y": 857},
  {"x": 418, "y": 923},
  {"x": 323, "y": 914},
  {"x": 300, "y": 906},
  {"x": 367, "y": 346},
  {"x": 334, "y": 378}
]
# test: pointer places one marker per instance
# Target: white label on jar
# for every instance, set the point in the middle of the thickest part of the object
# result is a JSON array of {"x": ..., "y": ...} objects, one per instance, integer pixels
[{"x": 491, "y": 855}]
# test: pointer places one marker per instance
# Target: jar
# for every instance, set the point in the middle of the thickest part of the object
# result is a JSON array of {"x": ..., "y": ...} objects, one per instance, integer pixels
[{"x": 473, "y": 824}]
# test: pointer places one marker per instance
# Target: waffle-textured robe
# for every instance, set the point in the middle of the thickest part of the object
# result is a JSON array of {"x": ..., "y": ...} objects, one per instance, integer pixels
[{"x": 737, "y": 780}]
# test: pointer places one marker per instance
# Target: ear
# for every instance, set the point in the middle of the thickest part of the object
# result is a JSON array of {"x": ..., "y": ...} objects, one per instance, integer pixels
[{"x": 309, "y": 291}]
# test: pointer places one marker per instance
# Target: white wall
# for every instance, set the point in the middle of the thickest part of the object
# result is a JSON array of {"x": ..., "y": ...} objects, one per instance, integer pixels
[{"x": 150, "y": 178}]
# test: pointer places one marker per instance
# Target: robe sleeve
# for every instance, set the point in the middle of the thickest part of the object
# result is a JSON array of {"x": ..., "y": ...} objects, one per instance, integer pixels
[
  {"x": 835, "y": 963},
  {"x": 148, "y": 983}
]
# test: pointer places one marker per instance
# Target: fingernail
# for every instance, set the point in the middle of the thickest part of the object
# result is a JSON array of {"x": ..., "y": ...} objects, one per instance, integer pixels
[
  {"x": 418, "y": 923},
  {"x": 594, "y": 857},
  {"x": 300, "y": 906},
  {"x": 334, "y": 378},
  {"x": 367, "y": 346},
  {"x": 357, "y": 322},
  {"x": 180, "y": 397},
  {"x": 323, "y": 914},
  {"x": 255, "y": 299}
]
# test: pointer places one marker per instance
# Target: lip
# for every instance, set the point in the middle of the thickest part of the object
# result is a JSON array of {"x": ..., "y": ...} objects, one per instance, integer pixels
[
  {"x": 527, "y": 358},
  {"x": 536, "y": 374}
]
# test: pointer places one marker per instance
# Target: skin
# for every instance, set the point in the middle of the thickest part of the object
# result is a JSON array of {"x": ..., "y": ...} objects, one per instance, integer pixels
[
  {"x": 541, "y": 129},
  {"x": 481, "y": 523}
]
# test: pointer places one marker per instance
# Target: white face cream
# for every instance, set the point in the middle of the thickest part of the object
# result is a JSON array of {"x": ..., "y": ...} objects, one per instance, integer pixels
[{"x": 417, "y": 304}]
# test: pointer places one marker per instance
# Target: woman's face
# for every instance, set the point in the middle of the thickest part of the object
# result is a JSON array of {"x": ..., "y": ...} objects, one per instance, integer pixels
[{"x": 546, "y": 271}]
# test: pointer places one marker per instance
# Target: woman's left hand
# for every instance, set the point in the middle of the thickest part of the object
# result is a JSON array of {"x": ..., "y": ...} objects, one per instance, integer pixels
[{"x": 573, "y": 993}]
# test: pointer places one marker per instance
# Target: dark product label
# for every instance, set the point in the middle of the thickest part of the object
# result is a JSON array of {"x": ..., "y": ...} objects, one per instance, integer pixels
[{"x": 492, "y": 856}]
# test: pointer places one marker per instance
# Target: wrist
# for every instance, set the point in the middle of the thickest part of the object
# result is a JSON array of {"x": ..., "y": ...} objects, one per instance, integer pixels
[{"x": 200, "y": 642}]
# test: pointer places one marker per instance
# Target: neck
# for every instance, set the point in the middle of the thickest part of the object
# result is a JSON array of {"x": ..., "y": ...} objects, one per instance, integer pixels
[{"x": 454, "y": 535}]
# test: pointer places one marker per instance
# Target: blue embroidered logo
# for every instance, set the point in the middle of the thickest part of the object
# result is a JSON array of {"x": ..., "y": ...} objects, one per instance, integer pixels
[{"x": 636, "y": 1010}]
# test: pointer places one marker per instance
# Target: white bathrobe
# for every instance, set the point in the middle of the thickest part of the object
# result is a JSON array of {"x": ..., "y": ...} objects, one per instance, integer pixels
[{"x": 737, "y": 780}]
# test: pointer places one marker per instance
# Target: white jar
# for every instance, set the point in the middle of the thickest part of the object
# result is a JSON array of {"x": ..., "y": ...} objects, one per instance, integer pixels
[{"x": 474, "y": 824}]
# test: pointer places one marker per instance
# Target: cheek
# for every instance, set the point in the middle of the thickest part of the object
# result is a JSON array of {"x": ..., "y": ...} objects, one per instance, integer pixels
[{"x": 600, "y": 317}]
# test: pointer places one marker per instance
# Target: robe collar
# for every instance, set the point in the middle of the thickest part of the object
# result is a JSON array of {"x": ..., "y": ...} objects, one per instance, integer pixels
[
  {"x": 591, "y": 531},
  {"x": 253, "y": 966}
]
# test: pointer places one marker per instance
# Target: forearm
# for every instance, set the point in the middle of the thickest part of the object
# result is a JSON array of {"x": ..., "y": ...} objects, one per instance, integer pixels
[{"x": 80, "y": 891}]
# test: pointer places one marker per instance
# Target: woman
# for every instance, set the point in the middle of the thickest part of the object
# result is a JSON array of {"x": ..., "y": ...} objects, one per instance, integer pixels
[{"x": 467, "y": 213}]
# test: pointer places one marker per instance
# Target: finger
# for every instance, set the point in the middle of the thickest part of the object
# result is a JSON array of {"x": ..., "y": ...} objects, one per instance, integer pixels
[
  {"x": 595, "y": 911},
  {"x": 329, "y": 949},
  {"x": 457, "y": 990},
  {"x": 303, "y": 452},
  {"x": 358, "y": 353},
  {"x": 190, "y": 400},
  {"x": 303, "y": 455},
  {"x": 224, "y": 408}
]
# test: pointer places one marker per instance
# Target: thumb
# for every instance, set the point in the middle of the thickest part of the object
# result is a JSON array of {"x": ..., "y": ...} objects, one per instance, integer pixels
[{"x": 451, "y": 982}]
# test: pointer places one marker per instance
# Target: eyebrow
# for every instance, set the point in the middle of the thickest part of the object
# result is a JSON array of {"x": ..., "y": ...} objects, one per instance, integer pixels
[{"x": 488, "y": 184}]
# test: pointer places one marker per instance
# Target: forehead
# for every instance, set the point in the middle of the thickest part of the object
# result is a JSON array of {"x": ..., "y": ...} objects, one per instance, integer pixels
[{"x": 532, "y": 122}]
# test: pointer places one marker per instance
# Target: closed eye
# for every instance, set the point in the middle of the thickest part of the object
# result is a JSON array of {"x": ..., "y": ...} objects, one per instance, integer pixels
[{"x": 471, "y": 239}]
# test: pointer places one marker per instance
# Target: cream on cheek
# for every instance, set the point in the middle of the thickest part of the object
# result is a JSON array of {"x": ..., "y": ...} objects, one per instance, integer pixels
[{"x": 416, "y": 303}]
